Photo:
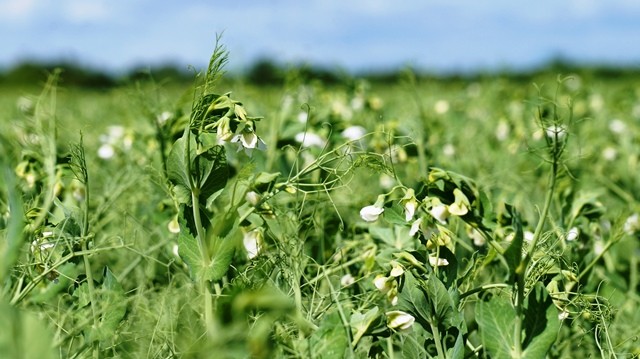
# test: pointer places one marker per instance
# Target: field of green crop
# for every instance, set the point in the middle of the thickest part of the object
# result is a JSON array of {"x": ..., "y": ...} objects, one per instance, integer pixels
[{"x": 484, "y": 217}]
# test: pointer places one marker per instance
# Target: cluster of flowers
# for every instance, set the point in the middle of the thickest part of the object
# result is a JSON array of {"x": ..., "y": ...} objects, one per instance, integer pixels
[
  {"x": 116, "y": 138},
  {"x": 438, "y": 210},
  {"x": 233, "y": 125},
  {"x": 388, "y": 284}
]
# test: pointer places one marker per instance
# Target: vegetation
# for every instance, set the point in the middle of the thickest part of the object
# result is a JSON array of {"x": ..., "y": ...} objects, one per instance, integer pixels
[{"x": 476, "y": 216}]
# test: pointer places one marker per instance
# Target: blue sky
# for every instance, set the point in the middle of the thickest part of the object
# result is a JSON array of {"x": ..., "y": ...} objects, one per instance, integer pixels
[{"x": 440, "y": 35}]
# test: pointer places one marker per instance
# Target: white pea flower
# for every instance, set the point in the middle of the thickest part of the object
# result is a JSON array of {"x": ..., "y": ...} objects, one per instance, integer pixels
[
  {"x": 556, "y": 132},
  {"x": 461, "y": 205},
  {"x": 410, "y": 204},
  {"x": 478, "y": 239},
  {"x": 347, "y": 280},
  {"x": 528, "y": 236},
  {"x": 415, "y": 227},
  {"x": 598, "y": 247},
  {"x": 617, "y": 126},
  {"x": 439, "y": 211},
  {"x": 387, "y": 286},
  {"x": 563, "y": 315},
  {"x": 609, "y": 153},
  {"x": 115, "y": 132},
  {"x": 382, "y": 283},
  {"x": 303, "y": 116},
  {"x": 441, "y": 107},
  {"x": 164, "y": 117},
  {"x": 502, "y": 131},
  {"x": 248, "y": 141},
  {"x": 106, "y": 151},
  {"x": 372, "y": 212},
  {"x": 438, "y": 262},
  {"x": 357, "y": 103},
  {"x": 449, "y": 150},
  {"x": 252, "y": 241},
  {"x": 252, "y": 197},
  {"x": 386, "y": 181},
  {"x": 392, "y": 296},
  {"x": 174, "y": 226},
  {"x": 632, "y": 224},
  {"x": 354, "y": 133},
  {"x": 396, "y": 270},
  {"x": 307, "y": 139},
  {"x": 399, "y": 320},
  {"x": 573, "y": 234},
  {"x": 223, "y": 132}
]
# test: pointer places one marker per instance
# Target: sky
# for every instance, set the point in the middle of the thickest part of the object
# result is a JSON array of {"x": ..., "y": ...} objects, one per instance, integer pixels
[{"x": 355, "y": 35}]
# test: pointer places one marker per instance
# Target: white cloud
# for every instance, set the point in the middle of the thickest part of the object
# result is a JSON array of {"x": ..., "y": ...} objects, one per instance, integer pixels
[
  {"x": 82, "y": 11},
  {"x": 17, "y": 10}
]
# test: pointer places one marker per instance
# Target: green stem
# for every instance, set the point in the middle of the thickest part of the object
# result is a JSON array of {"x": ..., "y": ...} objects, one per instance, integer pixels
[
  {"x": 522, "y": 268},
  {"x": 438, "y": 341},
  {"x": 92, "y": 293},
  {"x": 482, "y": 289},
  {"x": 205, "y": 287}
]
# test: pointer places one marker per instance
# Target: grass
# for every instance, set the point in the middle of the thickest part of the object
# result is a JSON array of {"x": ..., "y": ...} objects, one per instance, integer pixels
[{"x": 133, "y": 227}]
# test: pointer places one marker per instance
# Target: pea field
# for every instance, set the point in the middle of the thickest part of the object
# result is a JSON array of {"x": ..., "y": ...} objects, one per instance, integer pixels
[{"x": 468, "y": 217}]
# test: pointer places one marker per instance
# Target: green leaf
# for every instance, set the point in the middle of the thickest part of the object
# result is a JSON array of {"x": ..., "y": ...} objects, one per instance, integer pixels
[
  {"x": 23, "y": 335},
  {"x": 189, "y": 251},
  {"x": 53, "y": 288},
  {"x": 413, "y": 344},
  {"x": 178, "y": 161},
  {"x": 457, "y": 351},
  {"x": 212, "y": 171},
  {"x": 223, "y": 250},
  {"x": 12, "y": 237},
  {"x": 330, "y": 340},
  {"x": 209, "y": 170},
  {"x": 413, "y": 300},
  {"x": 541, "y": 323},
  {"x": 496, "y": 323},
  {"x": 82, "y": 293},
  {"x": 513, "y": 254},
  {"x": 360, "y": 323},
  {"x": 113, "y": 302},
  {"x": 265, "y": 178},
  {"x": 443, "y": 310}
]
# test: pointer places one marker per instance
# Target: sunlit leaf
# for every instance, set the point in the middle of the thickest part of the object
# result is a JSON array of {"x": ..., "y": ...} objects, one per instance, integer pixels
[{"x": 496, "y": 321}]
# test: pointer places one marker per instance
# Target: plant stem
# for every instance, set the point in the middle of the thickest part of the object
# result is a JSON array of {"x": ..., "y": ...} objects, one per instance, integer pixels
[
  {"x": 205, "y": 288},
  {"x": 437, "y": 340},
  {"x": 522, "y": 268},
  {"x": 483, "y": 288},
  {"x": 92, "y": 294}
]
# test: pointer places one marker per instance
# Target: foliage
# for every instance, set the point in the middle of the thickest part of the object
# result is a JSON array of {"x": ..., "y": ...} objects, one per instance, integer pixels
[{"x": 474, "y": 218}]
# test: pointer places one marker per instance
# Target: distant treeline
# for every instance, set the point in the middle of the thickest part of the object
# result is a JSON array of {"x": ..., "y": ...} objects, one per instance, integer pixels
[{"x": 266, "y": 72}]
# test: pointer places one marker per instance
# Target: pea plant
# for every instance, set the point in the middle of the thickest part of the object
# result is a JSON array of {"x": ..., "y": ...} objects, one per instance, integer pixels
[{"x": 336, "y": 226}]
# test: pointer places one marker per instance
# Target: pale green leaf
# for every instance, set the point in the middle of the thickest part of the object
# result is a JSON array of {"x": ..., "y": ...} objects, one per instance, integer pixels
[
  {"x": 23, "y": 335},
  {"x": 496, "y": 322}
]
